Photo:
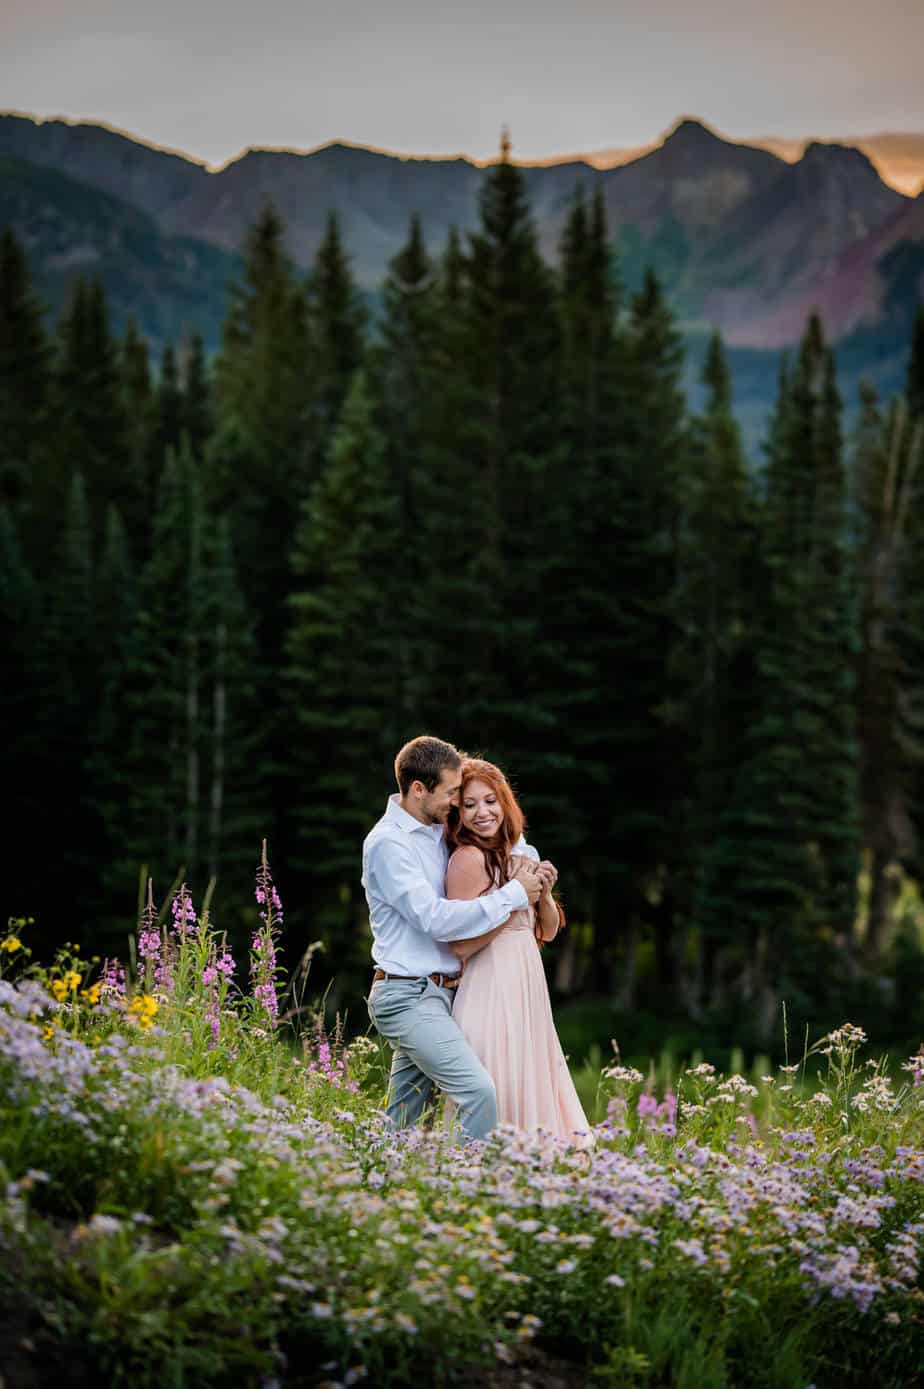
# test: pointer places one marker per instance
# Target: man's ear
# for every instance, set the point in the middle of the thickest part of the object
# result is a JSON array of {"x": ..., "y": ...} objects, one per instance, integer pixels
[{"x": 418, "y": 789}]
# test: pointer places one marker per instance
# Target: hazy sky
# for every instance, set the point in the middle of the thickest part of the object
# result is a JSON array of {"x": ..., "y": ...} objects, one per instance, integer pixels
[{"x": 422, "y": 76}]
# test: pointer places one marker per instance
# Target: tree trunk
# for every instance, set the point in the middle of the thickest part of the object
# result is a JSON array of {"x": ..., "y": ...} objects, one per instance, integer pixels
[{"x": 881, "y": 896}]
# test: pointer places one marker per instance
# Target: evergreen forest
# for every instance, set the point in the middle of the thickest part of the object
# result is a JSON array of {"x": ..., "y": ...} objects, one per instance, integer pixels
[{"x": 232, "y": 586}]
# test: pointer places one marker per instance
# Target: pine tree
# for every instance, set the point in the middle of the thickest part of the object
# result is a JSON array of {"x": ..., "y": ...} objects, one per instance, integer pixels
[
  {"x": 645, "y": 704},
  {"x": 496, "y": 479},
  {"x": 197, "y": 409},
  {"x": 21, "y": 710},
  {"x": 346, "y": 560},
  {"x": 157, "y": 781},
  {"x": 889, "y": 484},
  {"x": 139, "y": 410},
  {"x": 407, "y": 387},
  {"x": 24, "y": 372},
  {"x": 169, "y": 429},
  {"x": 235, "y": 787},
  {"x": 66, "y": 702},
  {"x": 89, "y": 428},
  {"x": 715, "y": 598},
  {"x": 259, "y": 455},
  {"x": 581, "y": 607},
  {"x": 114, "y": 613},
  {"x": 789, "y": 848},
  {"x": 337, "y": 320}
]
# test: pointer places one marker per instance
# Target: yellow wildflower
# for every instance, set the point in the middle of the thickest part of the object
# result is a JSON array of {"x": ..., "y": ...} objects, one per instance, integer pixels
[
  {"x": 91, "y": 994},
  {"x": 59, "y": 989},
  {"x": 10, "y": 944},
  {"x": 143, "y": 1008}
]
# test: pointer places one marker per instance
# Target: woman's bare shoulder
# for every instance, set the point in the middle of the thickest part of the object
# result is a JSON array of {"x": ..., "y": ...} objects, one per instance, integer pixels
[
  {"x": 466, "y": 853},
  {"x": 466, "y": 875}
]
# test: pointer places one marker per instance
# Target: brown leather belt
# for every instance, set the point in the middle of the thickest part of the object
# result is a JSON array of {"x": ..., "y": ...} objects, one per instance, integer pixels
[{"x": 442, "y": 981}]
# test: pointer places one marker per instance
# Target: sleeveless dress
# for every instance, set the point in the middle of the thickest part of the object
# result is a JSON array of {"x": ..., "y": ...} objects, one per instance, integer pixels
[{"x": 503, "y": 1008}]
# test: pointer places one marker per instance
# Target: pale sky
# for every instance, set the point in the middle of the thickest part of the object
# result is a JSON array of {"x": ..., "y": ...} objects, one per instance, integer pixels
[{"x": 426, "y": 77}]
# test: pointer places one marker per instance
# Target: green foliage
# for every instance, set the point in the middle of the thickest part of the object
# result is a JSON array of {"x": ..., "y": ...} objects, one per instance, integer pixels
[
  {"x": 347, "y": 620},
  {"x": 188, "y": 1193},
  {"x": 24, "y": 372},
  {"x": 489, "y": 514}
]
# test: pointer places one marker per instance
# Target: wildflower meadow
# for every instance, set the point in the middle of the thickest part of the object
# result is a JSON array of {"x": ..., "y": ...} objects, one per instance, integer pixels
[{"x": 198, "y": 1185}]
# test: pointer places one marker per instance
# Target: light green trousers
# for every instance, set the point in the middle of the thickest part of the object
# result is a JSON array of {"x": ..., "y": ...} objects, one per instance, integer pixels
[{"x": 415, "y": 1016}]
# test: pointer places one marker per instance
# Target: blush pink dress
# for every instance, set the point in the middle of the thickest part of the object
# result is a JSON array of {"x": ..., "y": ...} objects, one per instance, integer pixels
[{"x": 502, "y": 1006}]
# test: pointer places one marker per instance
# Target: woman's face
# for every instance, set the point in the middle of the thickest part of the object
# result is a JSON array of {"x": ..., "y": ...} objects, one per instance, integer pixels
[{"x": 480, "y": 810}]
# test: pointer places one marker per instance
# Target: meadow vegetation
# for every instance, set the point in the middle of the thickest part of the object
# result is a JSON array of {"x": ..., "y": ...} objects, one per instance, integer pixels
[{"x": 199, "y": 1185}]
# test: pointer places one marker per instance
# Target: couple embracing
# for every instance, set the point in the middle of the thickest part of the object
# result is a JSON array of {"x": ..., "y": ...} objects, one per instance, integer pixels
[{"x": 459, "y": 905}]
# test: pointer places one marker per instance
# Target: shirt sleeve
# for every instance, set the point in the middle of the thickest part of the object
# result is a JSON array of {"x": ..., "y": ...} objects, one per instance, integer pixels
[
  {"x": 527, "y": 850},
  {"x": 396, "y": 877}
]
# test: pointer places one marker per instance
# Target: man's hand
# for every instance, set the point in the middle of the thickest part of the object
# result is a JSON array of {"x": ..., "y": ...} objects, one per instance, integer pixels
[
  {"x": 549, "y": 875},
  {"x": 527, "y": 875}
]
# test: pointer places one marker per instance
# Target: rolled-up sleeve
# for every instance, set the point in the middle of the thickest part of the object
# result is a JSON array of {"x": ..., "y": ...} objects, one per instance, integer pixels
[{"x": 394, "y": 875}]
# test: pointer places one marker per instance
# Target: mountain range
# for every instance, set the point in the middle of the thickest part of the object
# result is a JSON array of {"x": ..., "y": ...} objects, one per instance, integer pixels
[{"x": 743, "y": 239}]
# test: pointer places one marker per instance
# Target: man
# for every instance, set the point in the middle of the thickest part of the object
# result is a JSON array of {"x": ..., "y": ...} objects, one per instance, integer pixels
[{"x": 410, "y": 1002}]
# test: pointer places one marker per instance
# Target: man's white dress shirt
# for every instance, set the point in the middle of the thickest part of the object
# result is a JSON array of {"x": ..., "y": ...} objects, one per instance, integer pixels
[{"x": 404, "y": 875}]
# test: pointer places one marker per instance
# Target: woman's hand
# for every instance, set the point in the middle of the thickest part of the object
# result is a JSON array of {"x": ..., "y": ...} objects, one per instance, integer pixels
[{"x": 549, "y": 874}]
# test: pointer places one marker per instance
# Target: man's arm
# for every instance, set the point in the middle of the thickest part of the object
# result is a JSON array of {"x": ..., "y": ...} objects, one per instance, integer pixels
[{"x": 395, "y": 875}]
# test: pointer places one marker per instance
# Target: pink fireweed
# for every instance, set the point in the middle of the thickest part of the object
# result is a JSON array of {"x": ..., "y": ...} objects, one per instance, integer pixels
[
  {"x": 216, "y": 976},
  {"x": 263, "y": 965},
  {"x": 185, "y": 922},
  {"x": 149, "y": 941},
  {"x": 112, "y": 983},
  {"x": 328, "y": 1062}
]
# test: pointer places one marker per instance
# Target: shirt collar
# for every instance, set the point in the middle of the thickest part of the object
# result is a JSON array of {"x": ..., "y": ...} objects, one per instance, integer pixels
[{"x": 396, "y": 813}]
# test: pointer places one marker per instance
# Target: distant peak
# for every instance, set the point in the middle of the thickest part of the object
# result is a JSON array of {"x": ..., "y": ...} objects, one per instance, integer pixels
[
  {"x": 689, "y": 130},
  {"x": 820, "y": 154}
]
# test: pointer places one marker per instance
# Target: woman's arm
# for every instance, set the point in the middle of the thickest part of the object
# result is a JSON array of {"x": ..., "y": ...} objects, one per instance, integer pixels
[
  {"x": 467, "y": 878},
  {"x": 549, "y": 914}
]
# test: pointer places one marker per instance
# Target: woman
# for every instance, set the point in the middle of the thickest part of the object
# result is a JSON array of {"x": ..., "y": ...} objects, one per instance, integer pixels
[{"x": 502, "y": 1004}]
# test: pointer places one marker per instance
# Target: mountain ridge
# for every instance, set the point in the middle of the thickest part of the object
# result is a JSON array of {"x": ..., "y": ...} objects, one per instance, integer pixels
[{"x": 743, "y": 240}]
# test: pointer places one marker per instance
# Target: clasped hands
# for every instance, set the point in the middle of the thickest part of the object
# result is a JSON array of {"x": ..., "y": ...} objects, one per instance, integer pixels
[{"x": 537, "y": 879}]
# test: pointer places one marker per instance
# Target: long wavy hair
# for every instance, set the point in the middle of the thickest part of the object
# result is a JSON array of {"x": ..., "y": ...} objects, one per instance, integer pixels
[{"x": 497, "y": 850}]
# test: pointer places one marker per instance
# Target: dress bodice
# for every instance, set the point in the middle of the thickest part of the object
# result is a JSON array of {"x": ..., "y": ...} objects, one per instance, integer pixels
[{"x": 522, "y": 920}]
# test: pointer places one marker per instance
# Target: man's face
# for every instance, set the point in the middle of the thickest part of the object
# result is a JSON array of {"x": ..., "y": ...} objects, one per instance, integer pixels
[{"x": 435, "y": 805}]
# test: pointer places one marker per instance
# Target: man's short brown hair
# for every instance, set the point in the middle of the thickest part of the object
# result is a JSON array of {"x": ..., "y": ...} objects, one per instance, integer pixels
[{"x": 424, "y": 759}]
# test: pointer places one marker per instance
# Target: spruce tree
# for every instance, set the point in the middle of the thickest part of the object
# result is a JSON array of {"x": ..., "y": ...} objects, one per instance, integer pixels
[
  {"x": 157, "y": 781},
  {"x": 196, "y": 413},
  {"x": 24, "y": 372},
  {"x": 66, "y": 705},
  {"x": 889, "y": 485},
  {"x": 259, "y": 455},
  {"x": 497, "y": 479},
  {"x": 22, "y": 693},
  {"x": 88, "y": 432},
  {"x": 647, "y": 742},
  {"x": 715, "y": 654},
  {"x": 581, "y": 608},
  {"x": 169, "y": 404},
  {"x": 337, "y": 321},
  {"x": 789, "y": 850},
  {"x": 235, "y": 789},
  {"x": 347, "y": 562},
  {"x": 408, "y": 388},
  {"x": 139, "y": 408}
]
